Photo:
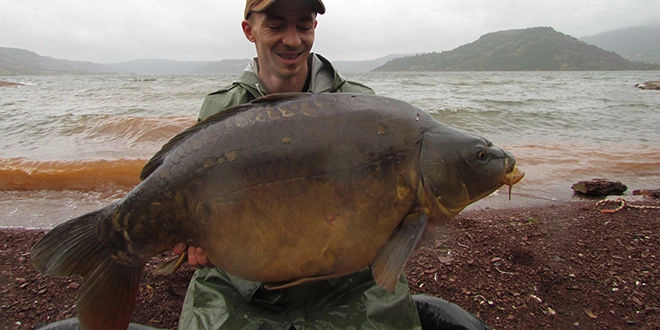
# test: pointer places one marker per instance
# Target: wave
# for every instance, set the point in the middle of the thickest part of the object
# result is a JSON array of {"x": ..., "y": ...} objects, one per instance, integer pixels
[
  {"x": 20, "y": 174},
  {"x": 129, "y": 129},
  {"x": 68, "y": 137}
]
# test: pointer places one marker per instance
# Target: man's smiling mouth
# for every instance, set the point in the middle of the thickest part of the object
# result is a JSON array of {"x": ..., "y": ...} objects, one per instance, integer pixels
[{"x": 290, "y": 56}]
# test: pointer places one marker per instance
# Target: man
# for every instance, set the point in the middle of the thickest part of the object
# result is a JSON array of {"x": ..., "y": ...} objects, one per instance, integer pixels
[{"x": 283, "y": 34}]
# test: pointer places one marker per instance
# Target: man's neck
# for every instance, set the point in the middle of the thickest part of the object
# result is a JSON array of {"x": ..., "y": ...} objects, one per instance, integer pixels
[{"x": 276, "y": 84}]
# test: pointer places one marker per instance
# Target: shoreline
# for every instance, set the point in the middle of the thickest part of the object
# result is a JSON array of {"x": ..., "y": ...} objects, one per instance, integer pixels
[
  {"x": 35, "y": 209},
  {"x": 551, "y": 266},
  {"x": 44, "y": 209}
]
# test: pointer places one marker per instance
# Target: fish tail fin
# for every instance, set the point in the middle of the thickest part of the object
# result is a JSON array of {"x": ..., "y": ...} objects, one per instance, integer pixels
[{"x": 107, "y": 296}]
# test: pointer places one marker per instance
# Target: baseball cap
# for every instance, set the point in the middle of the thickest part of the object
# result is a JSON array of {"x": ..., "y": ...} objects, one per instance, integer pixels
[{"x": 257, "y": 6}]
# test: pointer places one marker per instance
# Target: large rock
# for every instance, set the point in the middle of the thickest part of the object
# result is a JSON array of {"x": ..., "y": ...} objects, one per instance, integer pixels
[
  {"x": 599, "y": 188},
  {"x": 649, "y": 85}
]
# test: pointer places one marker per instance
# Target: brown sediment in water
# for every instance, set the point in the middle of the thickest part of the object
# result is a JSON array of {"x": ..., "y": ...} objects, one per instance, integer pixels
[
  {"x": 88, "y": 175},
  {"x": 551, "y": 266},
  {"x": 8, "y": 83}
]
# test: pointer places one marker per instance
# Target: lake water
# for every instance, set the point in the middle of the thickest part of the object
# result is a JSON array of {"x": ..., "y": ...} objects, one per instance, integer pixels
[{"x": 71, "y": 144}]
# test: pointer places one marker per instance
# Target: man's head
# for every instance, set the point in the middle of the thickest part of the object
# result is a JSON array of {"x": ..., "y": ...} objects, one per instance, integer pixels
[
  {"x": 256, "y": 6},
  {"x": 283, "y": 34}
]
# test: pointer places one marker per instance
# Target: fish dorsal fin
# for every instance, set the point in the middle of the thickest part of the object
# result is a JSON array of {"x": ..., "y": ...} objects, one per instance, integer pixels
[
  {"x": 392, "y": 257},
  {"x": 157, "y": 159},
  {"x": 178, "y": 139},
  {"x": 279, "y": 96}
]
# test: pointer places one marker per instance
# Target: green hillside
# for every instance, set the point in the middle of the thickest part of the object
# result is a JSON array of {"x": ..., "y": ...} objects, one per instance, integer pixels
[{"x": 532, "y": 49}]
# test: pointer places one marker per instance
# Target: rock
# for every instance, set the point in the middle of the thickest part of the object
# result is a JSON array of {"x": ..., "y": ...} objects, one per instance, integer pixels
[
  {"x": 653, "y": 193},
  {"x": 652, "y": 85},
  {"x": 599, "y": 188}
]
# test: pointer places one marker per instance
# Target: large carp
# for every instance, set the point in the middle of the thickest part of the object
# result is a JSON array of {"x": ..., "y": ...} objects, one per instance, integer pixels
[{"x": 287, "y": 189}]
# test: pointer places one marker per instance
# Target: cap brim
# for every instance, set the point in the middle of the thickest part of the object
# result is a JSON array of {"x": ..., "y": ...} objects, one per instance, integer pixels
[{"x": 317, "y": 6}]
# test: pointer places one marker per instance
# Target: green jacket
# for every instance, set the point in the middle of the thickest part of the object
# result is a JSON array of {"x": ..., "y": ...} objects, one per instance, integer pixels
[
  {"x": 324, "y": 79},
  {"x": 218, "y": 300}
]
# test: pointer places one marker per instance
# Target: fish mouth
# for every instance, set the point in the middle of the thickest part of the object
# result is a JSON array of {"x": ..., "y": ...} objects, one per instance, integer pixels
[{"x": 513, "y": 177}]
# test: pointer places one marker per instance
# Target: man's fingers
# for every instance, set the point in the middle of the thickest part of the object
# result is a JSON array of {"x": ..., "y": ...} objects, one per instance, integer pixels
[
  {"x": 197, "y": 257},
  {"x": 179, "y": 248}
]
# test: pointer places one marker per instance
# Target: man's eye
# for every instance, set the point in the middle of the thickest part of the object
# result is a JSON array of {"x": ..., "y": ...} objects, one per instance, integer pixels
[{"x": 278, "y": 27}]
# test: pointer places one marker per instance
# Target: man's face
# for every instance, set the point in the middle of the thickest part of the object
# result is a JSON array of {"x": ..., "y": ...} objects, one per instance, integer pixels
[{"x": 283, "y": 35}]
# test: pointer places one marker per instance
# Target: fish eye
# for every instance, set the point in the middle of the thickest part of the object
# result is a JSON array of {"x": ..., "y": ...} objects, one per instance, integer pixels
[{"x": 482, "y": 155}]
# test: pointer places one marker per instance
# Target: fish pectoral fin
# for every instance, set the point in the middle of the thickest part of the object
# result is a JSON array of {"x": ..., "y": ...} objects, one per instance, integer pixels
[
  {"x": 392, "y": 257},
  {"x": 284, "y": 285},
  {"x": 171, "y": 266}
]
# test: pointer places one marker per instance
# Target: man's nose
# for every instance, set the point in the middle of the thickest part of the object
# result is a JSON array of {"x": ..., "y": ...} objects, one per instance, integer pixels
[{"x": 292, "y": 38}]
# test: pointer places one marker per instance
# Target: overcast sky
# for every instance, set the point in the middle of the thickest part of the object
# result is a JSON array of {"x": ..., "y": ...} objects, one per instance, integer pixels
[{"x": 122, "y": 30}]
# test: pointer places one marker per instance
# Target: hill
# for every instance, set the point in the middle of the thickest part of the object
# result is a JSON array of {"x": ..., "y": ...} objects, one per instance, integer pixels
[
  {"x": 640, "y": 43},
  {"x": 15, "y": 61},
  {"x": 532, "y": 49},
  {"x": 160, "y": 66},
  {"x": 156, "y": 66},
  {"x": 540, "y": 48},
  {"x": 363, "y": 66},
  {"x": 163, "y": 66}
]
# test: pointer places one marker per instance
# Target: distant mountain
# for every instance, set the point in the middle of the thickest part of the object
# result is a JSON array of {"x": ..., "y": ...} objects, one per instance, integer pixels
[
  {"x": 640, "y": 43},
  {"x": 539, "y": 48},
  {"x": 363, "y": 66},
  {"x": 162, "y": 66},
  {"x": 224, "y": 66},
  {"x": 156, "y": 66},
  {"x": 532, "y": 49},
  {"x": 15, "y": 61}
]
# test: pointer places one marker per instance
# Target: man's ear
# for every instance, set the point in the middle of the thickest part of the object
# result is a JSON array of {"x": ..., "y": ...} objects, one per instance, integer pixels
[{"x": 247, "y": 30}]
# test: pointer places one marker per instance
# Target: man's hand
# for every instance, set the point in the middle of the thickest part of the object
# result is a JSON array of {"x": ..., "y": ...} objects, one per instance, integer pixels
[{"x": 196, "y": 255}]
